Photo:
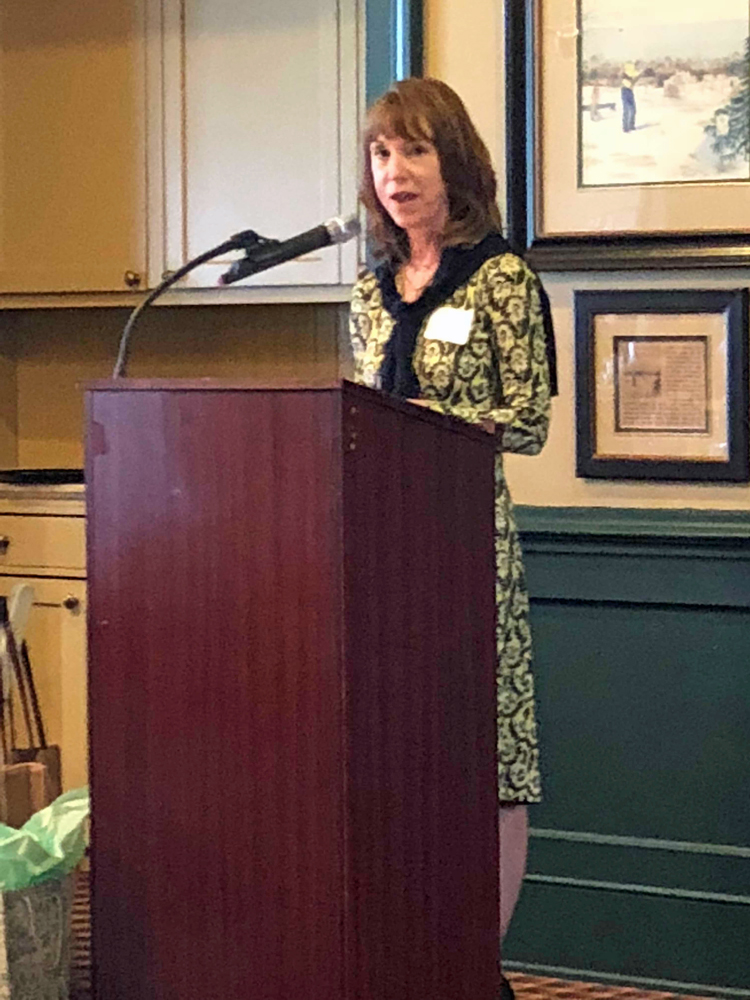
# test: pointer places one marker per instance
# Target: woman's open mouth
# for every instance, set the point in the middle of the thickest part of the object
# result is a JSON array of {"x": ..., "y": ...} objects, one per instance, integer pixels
[{"x": 401, "y": 197}]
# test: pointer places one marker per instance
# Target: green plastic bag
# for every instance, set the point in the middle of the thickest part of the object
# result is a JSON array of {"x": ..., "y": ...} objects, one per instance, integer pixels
[{"x": 48, "y": 846}]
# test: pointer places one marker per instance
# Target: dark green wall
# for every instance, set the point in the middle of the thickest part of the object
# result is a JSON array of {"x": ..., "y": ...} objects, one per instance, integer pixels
[{"x": 639, "y": 862}]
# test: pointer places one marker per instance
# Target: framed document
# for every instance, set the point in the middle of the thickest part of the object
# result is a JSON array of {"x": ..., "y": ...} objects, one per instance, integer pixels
[
  {"x": 662, "y": 385},
  {"x": 629, "y": 132}
]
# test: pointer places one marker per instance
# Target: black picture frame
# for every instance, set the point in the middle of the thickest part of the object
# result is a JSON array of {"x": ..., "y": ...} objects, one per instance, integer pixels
[
  {"x": 580, "y": 253},
  {"x": 732, "y": 305}
]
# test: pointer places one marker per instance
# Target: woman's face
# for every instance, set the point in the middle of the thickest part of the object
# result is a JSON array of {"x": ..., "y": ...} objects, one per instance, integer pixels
[{"x": 409, "y": 184}]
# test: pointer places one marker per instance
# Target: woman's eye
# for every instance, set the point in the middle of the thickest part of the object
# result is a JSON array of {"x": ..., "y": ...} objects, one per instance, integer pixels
[{"x": 380, "y": 153}]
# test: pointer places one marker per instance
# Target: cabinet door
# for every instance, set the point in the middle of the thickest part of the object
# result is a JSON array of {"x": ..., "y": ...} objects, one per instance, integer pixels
[
  {"x": 56, "y": 637},
  {"x": 260, "y": 116},
  {"x": 72, "y": 146}
]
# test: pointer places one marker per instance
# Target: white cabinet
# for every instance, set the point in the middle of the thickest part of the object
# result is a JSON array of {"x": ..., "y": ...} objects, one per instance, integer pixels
[
  {"x": 72, "y": 146},
  {"x": 45, "y": 548},
  {"x": 135, "y": 134},
  {"x": 42, "y": 546},
  {"x": 56, "y": 638},
  {"x": 259, "y": 123}
]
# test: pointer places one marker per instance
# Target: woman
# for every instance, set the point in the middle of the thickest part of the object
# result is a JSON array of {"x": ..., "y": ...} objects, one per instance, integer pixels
[{"x": 429, "y": 190}]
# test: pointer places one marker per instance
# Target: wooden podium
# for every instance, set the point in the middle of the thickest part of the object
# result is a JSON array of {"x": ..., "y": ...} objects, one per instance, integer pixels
[{"x": 292, "y": 695}]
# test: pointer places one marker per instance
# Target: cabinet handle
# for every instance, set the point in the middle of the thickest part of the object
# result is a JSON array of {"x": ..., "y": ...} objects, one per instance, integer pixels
[
  {"x": 4, "y": 544},
  {"x": 132, "y": 279},
  {"x": 71, "y": 603}
]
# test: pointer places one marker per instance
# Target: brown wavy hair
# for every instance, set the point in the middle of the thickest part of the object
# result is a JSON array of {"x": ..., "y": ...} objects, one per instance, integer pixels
[{"x": 429, "y": 109}]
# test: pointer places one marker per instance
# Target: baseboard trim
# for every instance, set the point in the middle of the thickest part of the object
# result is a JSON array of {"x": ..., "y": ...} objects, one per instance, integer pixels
[{"x": 595, "y": 976}]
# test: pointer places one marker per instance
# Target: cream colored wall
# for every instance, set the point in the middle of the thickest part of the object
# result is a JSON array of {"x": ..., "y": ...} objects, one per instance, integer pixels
[
  {"x": 464, "y": 44},
  {"x": 47, "y": 354},
  {"x": 550, "y": 480}
]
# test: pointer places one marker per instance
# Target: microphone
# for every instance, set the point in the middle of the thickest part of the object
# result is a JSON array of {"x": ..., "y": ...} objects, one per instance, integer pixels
[{"x": 269, "y": 253}]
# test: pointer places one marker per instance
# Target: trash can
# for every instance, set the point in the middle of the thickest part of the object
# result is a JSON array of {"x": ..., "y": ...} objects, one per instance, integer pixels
[
  {"x": 37, "y": 865},
  {"x": 36, "y": 926}
]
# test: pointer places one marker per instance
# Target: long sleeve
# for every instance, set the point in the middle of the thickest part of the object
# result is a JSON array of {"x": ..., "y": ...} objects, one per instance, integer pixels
[
  {"x": 358, "y": 322},
  {"x": 369, "y": 326},
  {"x": 517, "y": 395}
]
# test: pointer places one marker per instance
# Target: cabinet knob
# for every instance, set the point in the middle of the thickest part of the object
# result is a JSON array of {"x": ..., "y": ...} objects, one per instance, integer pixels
[
  {"x": 132, "y": 279},
  {"x": 71, "y": 603},
  {"x": 4, "y": 544}
]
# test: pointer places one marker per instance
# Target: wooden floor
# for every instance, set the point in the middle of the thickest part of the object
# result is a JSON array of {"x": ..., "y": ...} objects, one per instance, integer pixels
[
  {"x": 525, "y": 987},
  {"x": 541, "y": 988},
  {"x": 80, "y": 965}
]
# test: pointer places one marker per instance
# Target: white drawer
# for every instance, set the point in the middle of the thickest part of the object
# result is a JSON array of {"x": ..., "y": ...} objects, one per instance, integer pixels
[{"x": 42, "y": 543}]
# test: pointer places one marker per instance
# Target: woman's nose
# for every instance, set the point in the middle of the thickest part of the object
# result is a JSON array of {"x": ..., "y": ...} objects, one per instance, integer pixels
[{"x": 397, "y": 165}]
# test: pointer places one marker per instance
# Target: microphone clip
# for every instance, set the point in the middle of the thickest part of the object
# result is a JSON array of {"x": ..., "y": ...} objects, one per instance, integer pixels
[
  {"x": 255, "y": 247},
  {"x": 250, "y": 241}
]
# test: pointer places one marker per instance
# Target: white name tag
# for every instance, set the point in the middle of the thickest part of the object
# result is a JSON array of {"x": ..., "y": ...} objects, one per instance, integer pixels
[{"x": 450, "y": 324}]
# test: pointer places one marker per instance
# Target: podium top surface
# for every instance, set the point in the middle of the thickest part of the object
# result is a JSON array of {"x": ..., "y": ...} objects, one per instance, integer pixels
[{"x": 246, "y": 385}]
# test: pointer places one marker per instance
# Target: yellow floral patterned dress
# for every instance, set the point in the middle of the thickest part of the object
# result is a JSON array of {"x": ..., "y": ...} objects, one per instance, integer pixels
[{"x": 501, "y": 372}]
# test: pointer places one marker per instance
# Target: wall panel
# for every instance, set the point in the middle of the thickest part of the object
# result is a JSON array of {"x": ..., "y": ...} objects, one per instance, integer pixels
[{"x": 639, "y": 862}]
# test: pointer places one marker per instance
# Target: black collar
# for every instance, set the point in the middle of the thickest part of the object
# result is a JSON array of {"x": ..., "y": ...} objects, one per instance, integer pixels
[{"x": 457, "y": 265}]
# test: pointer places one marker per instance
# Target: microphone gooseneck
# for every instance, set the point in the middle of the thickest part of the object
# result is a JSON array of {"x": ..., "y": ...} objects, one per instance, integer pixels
[{"x": 260, "y": 254}]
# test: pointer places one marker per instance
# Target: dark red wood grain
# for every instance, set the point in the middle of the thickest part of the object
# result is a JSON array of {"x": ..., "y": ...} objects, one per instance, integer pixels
[
  {"x": 291, "y": 696},
  {"x": 419, "y": 612}
]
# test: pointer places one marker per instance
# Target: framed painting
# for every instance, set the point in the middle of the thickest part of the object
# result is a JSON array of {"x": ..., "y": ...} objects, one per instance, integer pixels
[
  {"x": 628, "y": 126},
  {"x": 662, "y": 385}
]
